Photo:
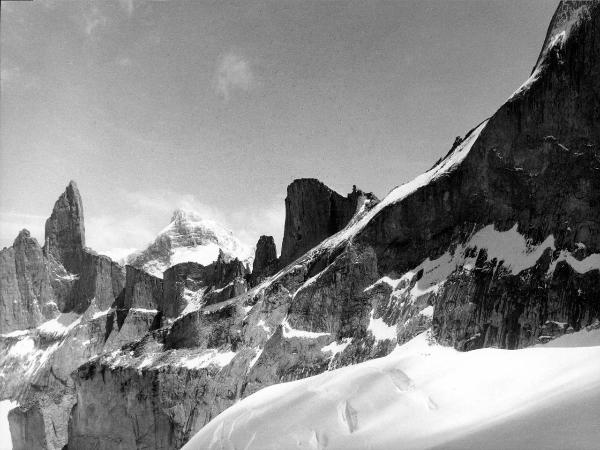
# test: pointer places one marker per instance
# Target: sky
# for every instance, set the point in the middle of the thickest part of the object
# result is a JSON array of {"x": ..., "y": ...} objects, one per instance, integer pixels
[{"x": 217, "y": 106}]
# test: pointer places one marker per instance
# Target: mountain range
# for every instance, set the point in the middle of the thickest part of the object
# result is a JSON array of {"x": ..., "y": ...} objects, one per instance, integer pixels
[{"x": 495, "y": 248}]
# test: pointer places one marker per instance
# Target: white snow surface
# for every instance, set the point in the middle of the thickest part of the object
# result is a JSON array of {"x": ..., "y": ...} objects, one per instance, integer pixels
[
  {"x": 210, "y": 357},
  {"x": 5, "y": 439},
  {"x": 337, "y": 347},
  {"x": 381, "y": 330},
  {"x": 289, "y": 332},
  {"x": 60, "y": 325},
  {"x": 424, "y": 395}
]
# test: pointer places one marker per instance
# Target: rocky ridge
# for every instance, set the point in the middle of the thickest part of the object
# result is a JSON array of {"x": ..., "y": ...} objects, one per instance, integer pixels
[
  {"x": 497, "y": 245},
  {"x": 54, "y": 319}
]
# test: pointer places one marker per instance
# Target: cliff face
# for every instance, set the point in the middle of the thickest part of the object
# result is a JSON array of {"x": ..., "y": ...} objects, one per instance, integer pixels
[
  {"x": 65, "y": 231},
  {"x": 189, "y": 286},
  {"x": 26, "y": 296},
  {"x": 534, "y": 165},
  {"x": 314, "y": 212},
  {"x": 266, "y": 262}
]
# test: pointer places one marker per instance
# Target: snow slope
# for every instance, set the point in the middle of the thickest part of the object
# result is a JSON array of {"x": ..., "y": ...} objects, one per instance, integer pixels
[{"x": 425, "y": 396}]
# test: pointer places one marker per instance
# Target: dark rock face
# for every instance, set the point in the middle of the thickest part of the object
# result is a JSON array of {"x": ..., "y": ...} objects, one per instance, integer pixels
[
  {"x": 142, "y": 290},
  {"x": 266, "y": 262},
  {"x": 536, "y": 164},
  {"x": 26, "y": 295},
  {"x": 100, "y": 279},
  {"x": 489, "y": 307},
  {"x": 65, "y": 232},
  {"x": 265, "y": 255},
  {"x": 313, "y": 212},
  {"x": 176, "y": 280},
  {"x": 186, "y": 282}
]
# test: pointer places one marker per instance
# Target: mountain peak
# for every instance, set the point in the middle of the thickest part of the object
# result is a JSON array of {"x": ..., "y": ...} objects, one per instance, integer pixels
[
  {"x": 65, "y": 231},
  {"x": 189, "y": 237},
  {"x": 567, "y": 17},
  {"x": 181, "y": 214}
]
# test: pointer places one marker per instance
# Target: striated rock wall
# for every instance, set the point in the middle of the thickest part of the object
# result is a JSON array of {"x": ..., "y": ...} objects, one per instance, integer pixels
[
  {"x": 194, "y": 284},
  {"x": 100, "y": 279},
  {"x": 266, "y": 262},
  {"x": 26, "y": 294},
  {"x": 142, "y": 290}
]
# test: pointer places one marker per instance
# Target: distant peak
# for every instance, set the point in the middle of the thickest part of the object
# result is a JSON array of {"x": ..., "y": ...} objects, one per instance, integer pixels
[
  {"x": 181, "y": 214},
  {"x": 23, "y": 235}
]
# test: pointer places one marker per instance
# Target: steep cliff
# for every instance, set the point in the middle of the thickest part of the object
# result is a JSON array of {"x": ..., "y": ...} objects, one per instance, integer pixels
[
  {"x": 266, "y": 262},
  {"x": 314, "y": 212},
  {"x": 26, "y": 295},
  {"x": 65, "y": 231}
]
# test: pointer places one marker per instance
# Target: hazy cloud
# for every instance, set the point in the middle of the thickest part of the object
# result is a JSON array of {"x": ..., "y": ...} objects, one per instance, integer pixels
[
  {"x": 128, "y": 6},
  {"x": 93, "y": 20},
  {"x": 14, "y": 76},
  {"x": 123, "y": 61},
  {"x": 233, "y": 73},
  {"x": 13, "y": 222},
  {"x": 9, "y": 75}
]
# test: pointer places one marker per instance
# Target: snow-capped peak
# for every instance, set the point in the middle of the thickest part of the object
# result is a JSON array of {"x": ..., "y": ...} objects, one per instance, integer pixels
[{"x": 189, "y": 237}]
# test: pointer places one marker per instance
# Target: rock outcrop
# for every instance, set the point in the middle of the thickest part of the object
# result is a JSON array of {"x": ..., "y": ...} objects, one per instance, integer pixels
[
  {"x": 266, "y": 262},
  {"x": 100, "y": 280},
  {"x": 188, "y": 286},
  {"x": 142, "y": 290},
  {"x": 65, "y": 231},
  {"x": 535, "y": 164},
  {"x": 26, "y": 295},
  {"x": 313, "y": 212}
]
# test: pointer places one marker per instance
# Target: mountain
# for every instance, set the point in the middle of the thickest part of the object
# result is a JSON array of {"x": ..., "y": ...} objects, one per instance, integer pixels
[
  {"x": 188, "y": 238},
  {"x": 496, "y": 247}
]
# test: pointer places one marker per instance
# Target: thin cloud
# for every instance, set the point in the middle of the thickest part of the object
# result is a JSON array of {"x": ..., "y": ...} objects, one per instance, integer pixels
[
  {"x": 128, "y": 6},
  {"x": 233, "y": 73},
  {"x": 93, "y": 20},
  {"x": 11, "y": 223},
  {"x": 123, "y": 61}
]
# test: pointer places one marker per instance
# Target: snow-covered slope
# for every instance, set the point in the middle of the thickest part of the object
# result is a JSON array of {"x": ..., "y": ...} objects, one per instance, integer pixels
[
  {"x": 424, "y": 395},
  {"x": 188, "y": 238}
]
